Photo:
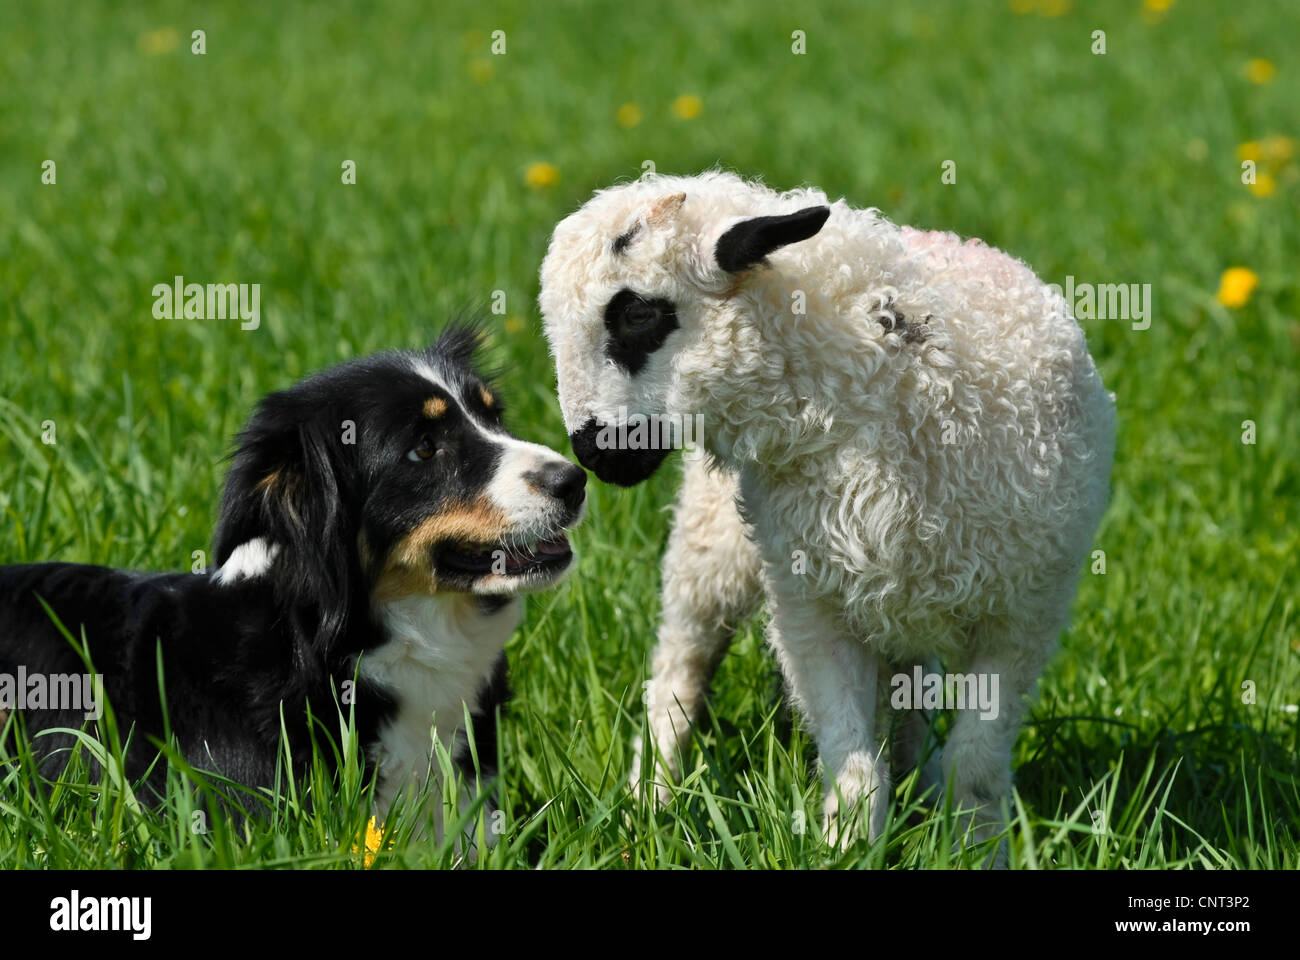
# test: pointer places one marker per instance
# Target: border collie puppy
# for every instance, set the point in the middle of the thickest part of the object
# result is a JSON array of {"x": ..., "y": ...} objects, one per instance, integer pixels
[{"x": 377, "y": 528}]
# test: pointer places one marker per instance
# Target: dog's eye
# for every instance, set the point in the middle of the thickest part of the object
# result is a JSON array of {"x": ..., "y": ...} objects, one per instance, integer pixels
[{"x": 424, "y": 450}]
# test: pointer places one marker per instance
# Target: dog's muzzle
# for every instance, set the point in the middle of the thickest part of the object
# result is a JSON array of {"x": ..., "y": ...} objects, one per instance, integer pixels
[{"x": 626, "y": 468}]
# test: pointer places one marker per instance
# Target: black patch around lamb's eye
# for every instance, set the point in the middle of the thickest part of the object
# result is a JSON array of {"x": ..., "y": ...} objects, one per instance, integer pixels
[{"x": 638, "y": 326}]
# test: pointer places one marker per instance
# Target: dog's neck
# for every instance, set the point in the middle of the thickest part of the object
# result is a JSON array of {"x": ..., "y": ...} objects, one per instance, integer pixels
[
  {"x": 438, "y": 629},
  {"x": 437, "y": 652}
]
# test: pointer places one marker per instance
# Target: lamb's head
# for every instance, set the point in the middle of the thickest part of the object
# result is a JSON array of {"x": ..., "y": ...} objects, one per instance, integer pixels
[{"x": 634, "y": 284}]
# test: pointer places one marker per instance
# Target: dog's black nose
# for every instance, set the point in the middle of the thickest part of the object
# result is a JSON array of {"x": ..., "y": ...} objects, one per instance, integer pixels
[{"x": 564, "y": 482}]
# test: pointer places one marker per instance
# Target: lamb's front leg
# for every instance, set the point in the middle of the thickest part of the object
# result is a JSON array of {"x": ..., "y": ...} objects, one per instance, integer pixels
[
  {"x": 832, "y": 678},
  {"x": 711, "y": 581}
]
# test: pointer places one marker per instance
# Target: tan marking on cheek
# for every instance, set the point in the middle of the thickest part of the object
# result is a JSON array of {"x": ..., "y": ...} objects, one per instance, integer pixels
[
  {"x": 476, "y": 522},
  {"x": 4, "y": 717},
  {"x": 397, "y": 582},
  {"x": 409, "y": 569},
  {"x": 486, "y": 396},
  {"x": 435, "y": 407}
]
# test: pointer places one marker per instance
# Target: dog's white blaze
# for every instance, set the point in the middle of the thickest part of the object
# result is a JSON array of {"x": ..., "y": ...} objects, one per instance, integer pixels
[
  {"x": 523, "y": 505},
  {"x": 426, "y": 371},
  {"x": 248, "y": 560},
  {"x": 441, "y": 648}
]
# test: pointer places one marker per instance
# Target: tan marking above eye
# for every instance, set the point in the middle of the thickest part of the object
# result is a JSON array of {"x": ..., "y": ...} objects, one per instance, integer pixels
[
  {"x": 486, "y": 396},
  {"x": 435, "y": 407}
]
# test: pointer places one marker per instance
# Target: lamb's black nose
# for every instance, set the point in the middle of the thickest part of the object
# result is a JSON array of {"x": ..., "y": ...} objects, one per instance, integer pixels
[{"x": 565, "y": 482}]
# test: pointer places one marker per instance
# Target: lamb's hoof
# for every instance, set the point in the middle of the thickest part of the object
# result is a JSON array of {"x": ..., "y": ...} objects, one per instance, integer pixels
[
  {"x": 843, "y": 827},
  {"x": 839, "y": 835},
  {"x": 978, "y": 829},
  {"x": 856, "y": 802},
  {"x": 999, "y": 859},
  {"x": 661, "y": 794}
]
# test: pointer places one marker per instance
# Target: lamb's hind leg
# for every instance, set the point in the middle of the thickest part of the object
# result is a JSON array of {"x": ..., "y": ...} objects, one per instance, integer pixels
[
  {"x": 911, "y": 740},
  {"x": 711, "y": 581}
]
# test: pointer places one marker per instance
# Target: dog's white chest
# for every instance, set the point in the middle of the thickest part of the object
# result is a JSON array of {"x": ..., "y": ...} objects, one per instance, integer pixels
[{"x": 440, "y": 652}]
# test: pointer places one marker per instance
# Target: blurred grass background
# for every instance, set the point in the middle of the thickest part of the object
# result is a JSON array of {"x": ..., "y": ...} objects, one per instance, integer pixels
[{"x": 1115, "y": 168}]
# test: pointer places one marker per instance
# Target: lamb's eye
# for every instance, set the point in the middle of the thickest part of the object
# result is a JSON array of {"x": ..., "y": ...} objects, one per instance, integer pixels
[
  {"x": 640, "y": 317},
  {"x": 638, "y": 326},
  {"x": 424, "y": 450}
]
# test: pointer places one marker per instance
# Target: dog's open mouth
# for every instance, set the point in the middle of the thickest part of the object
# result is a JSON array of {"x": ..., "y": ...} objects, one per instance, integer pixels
[{"x": 535, "y": 559}]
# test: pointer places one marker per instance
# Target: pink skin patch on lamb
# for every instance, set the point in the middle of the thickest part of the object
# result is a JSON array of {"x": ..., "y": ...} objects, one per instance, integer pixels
[{"x": 974, "y": 255}]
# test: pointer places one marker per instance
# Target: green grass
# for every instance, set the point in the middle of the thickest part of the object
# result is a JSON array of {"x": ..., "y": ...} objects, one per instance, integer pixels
[{"x": 226, "y": 167}]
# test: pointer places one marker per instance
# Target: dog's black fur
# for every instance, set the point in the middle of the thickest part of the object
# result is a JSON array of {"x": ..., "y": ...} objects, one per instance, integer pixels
[{"x": 238, "y": 653}]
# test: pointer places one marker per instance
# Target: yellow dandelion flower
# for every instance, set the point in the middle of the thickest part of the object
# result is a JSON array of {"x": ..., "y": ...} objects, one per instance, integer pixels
[
  {"x": 1260, "y": 71},
  {"x": 514, "y": 324},
  {"x": 1277, "y": 149},
  {"x": 1153, "y": 11},
  {"x": 541, "y": 175},
  {"x": 1263, "y": 186},
  {"x": 157, "y": 42},
  {"x": 481, "y": 69},
  {"x": 1248, "y": 151},
  {"x": 688, "y": 106},
  {"x": 1054, "y": 8},
  {"x": 1236, "y": 285},
  {"x": 372, "y": 844},
  {"x": 628, "y": 116}
]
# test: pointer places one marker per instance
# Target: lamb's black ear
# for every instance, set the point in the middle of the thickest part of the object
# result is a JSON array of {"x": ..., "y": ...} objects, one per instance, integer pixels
[
  {"x": 749, "y": 241},
  {"x": 288, "y": 485}
]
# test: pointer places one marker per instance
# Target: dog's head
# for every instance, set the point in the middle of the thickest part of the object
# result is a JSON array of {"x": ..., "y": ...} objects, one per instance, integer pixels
[
  {"x": 636, "y": 279},
  {"x": 395, "y": 475}
]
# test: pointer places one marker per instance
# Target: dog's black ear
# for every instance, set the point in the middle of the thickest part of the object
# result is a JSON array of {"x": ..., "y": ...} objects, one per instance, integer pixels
[
  {"x": 288, "y": 484},
  {"x": 749, "y": 241}
]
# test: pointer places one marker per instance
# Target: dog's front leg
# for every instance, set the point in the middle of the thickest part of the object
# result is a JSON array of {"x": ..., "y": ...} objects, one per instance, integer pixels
[
  {"x": 832, "y": 678},
  {"x": 711, "y": 581}
]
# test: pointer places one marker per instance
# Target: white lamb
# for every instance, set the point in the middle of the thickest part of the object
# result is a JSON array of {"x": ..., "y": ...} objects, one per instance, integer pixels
[{"x": 908, "y": 455}]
